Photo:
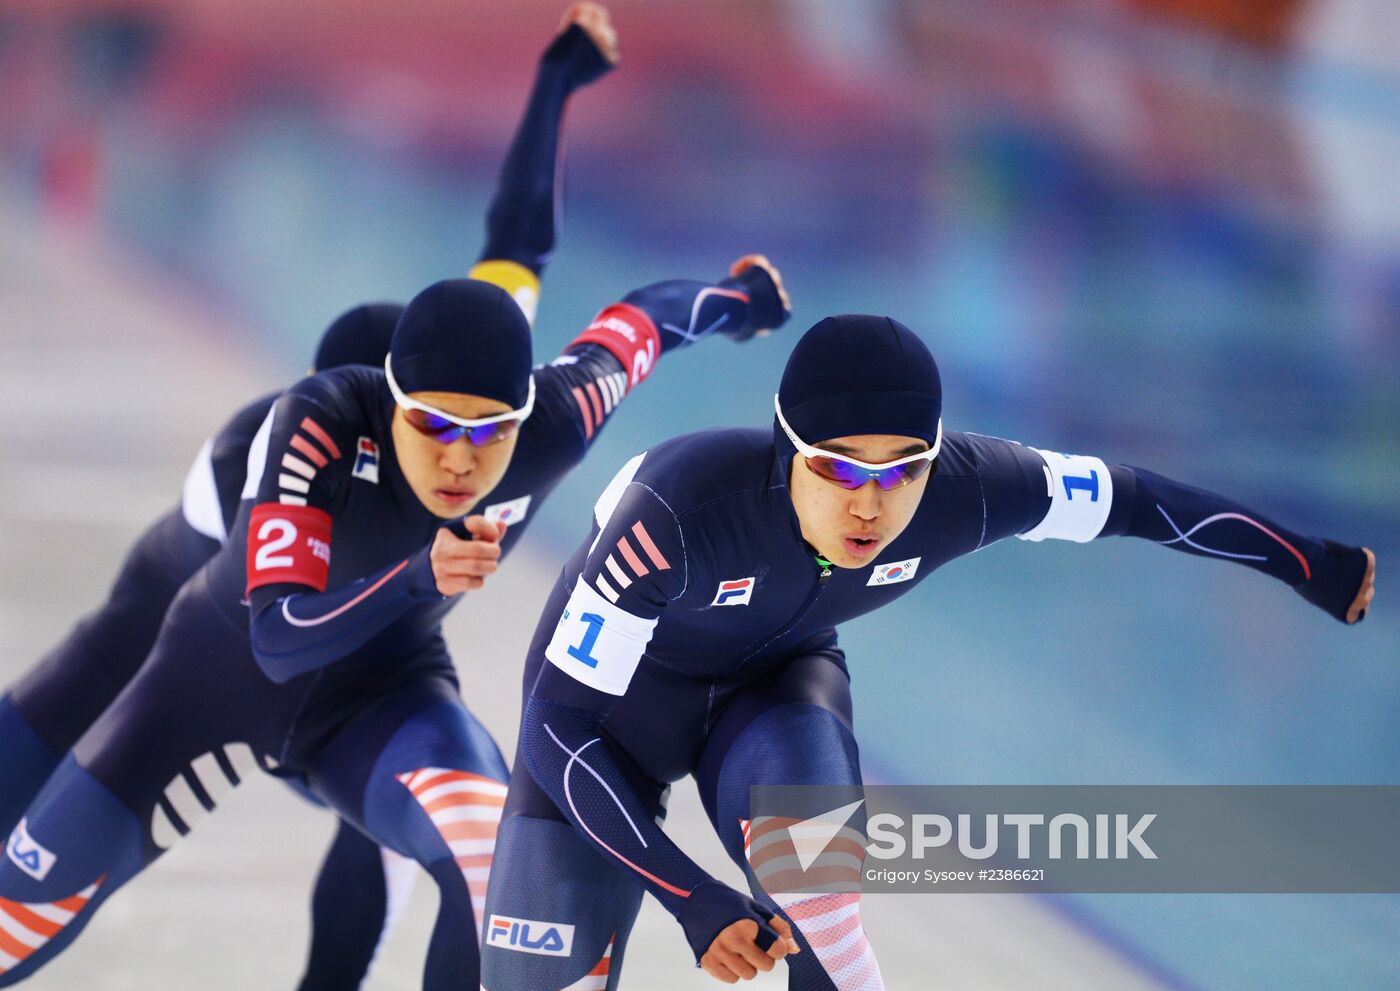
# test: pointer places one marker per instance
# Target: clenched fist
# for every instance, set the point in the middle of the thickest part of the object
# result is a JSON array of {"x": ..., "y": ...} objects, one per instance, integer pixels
[{"x": 462, "y": 565}]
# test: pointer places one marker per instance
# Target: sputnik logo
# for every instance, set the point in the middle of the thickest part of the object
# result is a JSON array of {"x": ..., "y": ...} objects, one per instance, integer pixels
[{"x": 810, "y": 837}]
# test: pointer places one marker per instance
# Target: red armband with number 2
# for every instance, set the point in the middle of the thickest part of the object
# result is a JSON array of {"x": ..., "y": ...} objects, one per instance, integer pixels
[
  {"x": 289, "y": 545},
  {"x": 629, "y": 334}
]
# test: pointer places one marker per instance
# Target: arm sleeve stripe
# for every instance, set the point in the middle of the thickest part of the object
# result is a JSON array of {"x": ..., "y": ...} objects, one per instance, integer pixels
[
  {"x": 307, "y": 448},
  {"x": 1186, "y": 538},
  {"x": 293, "y": 463},
  {"x": 618, "y": 574},
  {"x": 607, "y": 590},
  {"x": 597, "y": 401},
  {"x": 653, "y": 552},
  {"x": 574, "y": 756},
  {"x": 314, "y": 429},
  {"x": 584, "y": 411},
  {"x": 318, "y": 620},
  {"x": 630, "y": 555}
]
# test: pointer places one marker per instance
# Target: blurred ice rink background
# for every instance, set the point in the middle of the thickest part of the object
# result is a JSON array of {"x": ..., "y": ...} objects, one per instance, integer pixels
[{"x": 1162, "y": 231}]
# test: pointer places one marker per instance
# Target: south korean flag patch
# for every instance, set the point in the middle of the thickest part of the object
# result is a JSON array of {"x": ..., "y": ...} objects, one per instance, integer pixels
[
  {"x": 510, "y": 513},
  {"x": 898, "y": 571},
  {"x": 367, "y": 460}
]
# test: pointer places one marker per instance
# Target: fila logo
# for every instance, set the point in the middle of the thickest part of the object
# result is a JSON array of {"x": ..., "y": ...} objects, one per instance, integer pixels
[
  {"x": 888, "y": 574},
  {"x": 511, "y": 512},
  {"x": 28, "y": 855},
  {"x": 550, "y": 939},
  {"x": 367, "y": 460},
  {"x": 734, "y": 593}
]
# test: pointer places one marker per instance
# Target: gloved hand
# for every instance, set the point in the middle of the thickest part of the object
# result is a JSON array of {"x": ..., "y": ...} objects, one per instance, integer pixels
[
  {"x": 769, "y": 305},
  {"x": 1344, "y": 583}
]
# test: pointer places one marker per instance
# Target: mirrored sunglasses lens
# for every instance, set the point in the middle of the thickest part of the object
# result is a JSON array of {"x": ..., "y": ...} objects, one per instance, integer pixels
[
  {"x": 439, "y": 429},
  {"x": 842, "y": 473},
  {"x": 893, "y": 478},
  {"x": 492, "y": 433}
]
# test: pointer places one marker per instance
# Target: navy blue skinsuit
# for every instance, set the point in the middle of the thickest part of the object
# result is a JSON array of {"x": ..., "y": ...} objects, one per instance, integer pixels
[
  {"x": 694, "y": 632},
  {"x": 47, "y": 710},
  {"x": 341, "y": 675},
  {"x": 59, "y": 698}
]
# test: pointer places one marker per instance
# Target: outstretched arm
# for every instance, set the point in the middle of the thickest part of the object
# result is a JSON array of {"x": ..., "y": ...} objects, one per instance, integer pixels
[
  {"x": 1338, "y": 579},
  {"x": 1081, "y": 498},
  {"x": 523, "y": 223},
  {"x": 622, "y": 345}
]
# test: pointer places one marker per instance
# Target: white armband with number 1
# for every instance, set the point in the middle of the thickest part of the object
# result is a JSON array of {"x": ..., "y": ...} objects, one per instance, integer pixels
[
  {"x": 597, "y": 643},
  {"x": 1081, "y": 494}
]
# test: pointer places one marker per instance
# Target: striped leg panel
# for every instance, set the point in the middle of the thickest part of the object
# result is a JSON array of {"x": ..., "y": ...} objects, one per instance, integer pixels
[
  {"x": 466, "y": 810},
  {"x": 597, "y": 978},
  {"x": 25, "y": 928},
  {"x": 831, "y": 926},
  {"x": 829, "y": 920}
]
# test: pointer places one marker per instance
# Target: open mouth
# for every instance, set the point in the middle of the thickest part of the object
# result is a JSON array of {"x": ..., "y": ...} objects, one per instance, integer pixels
[
  {"x": 453, "y": 496},
  {"x": 860, "y": 546}
]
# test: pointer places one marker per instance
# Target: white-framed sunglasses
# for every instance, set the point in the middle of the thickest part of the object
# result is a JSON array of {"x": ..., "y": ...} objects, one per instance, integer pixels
[
  {"x": 445, "y": 428},
  {"x": 852, "y": 474}
]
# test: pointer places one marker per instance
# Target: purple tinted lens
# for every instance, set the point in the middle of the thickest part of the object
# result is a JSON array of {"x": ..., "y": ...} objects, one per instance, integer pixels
[
  {"x": 449, "y": 435},
  {"x": 893, "y": 478},
  {"x": 839, "y": 472},
  {"x": 492, "y": 432},
  {"x": 444, "y": 431},
  {"x": 441, "y": 430},
  {"x": 850, "y": 476}
]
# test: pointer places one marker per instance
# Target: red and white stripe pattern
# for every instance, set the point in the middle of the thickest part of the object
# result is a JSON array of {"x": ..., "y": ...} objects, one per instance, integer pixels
[
  {"x": 314, "y": 449},
  {"x": 627, "y": 564},
  {"x": 26, "y": 927},
  {"x": 597, "y": 978},
  {"x": 773, "y": 857},
  {"x": 830, "y": 921},
  {"x": 597, "y": 399},
  {"x": 466, "y": 811},
  {"x": 831, "y": 926}
]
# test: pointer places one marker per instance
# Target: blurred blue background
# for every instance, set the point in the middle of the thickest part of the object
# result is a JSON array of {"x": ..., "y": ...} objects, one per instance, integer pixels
[{"x": 1166, "y": 232}]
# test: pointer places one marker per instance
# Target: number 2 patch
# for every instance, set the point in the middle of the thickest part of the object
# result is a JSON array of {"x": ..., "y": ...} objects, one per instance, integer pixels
[
  {"x": 630, "y": 335},
  {"x": 289, "y": 545}
]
